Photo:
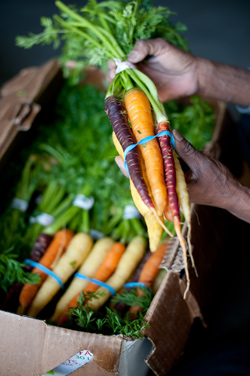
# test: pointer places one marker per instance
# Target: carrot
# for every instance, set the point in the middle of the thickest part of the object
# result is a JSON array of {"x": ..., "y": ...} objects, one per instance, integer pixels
[
  {"x": 127, "y": 265},
  {"x": 55, "y": 249},
  {"x": 181, "y": 188},
  {"x": 11, "y": 300},
  {"x": 118, "y": 118},
  {"x": 149, "y": 272},
  {"x": 170, "y": 179},
  {"x": 88, "y": 269},
  {"x": 76, "y": 252},
  {"x": 121, "y": 307},
  {"x": 154, "y": 224},
  {"x": 140, "y": 116},
  {"x": 104, "y": 272},
  {"x": 170, "y": 174}
]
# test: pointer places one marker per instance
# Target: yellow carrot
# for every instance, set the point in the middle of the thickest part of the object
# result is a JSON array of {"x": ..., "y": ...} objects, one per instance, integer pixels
[
  {"x": 183, "y": 197},
  {"x": 127, "y": 265},
  {"x": 76, "y": 252},
  {"x": 88, "y": 268},
  {"x": 154, "y": 228}
]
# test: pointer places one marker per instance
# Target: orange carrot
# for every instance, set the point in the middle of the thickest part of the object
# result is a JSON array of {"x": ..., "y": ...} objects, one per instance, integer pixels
[
  {"x": 149, "y": 272},
  {"x": 140, "y": 116},
  {"x": 52, "y": 254},
  {"x": 103, "y": 273}
]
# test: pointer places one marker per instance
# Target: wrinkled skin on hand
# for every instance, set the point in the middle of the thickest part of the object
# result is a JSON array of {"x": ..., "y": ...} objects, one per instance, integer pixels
[{"x": 209, "y": 182}]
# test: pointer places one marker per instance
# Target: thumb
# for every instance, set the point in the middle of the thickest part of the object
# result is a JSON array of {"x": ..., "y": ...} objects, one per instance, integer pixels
[
  {"x": 147, "y": 47},
  {"x": 138, "y": 53},
  {"x": 185, "y": 150}
]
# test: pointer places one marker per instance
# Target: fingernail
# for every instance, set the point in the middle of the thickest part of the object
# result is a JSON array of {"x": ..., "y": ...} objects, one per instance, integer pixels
[
  {"x": 177, "y": 135},
  {"x": 132, "y": 57}
]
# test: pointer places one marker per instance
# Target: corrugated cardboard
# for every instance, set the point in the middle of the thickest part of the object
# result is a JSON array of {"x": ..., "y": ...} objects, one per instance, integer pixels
[{"x": 29, "y": 347}]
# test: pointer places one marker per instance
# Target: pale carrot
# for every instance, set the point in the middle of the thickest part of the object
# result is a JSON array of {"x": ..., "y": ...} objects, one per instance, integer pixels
[
  {"x": 181, "y": 188},
  {"x": 76, "y": 252},
  {"x": 88, "y": 269},
  {"x": 103, "y": 273},
  {"x": 56, "y": 248},
  {"x": 141, "y": 119}
]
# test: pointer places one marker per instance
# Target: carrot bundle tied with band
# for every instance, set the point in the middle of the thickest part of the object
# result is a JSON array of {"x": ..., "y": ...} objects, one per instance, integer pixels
[
  {"x": 105, "y": 270},
  {"x": 159, "y": 190},
  {"x": 56, "y": 248}
]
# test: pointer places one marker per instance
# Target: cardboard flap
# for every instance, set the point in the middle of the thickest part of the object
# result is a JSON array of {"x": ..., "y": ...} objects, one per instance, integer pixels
[
  {"x": 34, "y": 348},
  {"x": 29, "y": 84},
  {"x": 18, "y": 105},
  {"x": 168, "y": 336}
]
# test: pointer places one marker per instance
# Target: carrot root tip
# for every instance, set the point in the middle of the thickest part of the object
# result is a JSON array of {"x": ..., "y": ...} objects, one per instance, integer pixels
[{"x": 162, "y": 224}]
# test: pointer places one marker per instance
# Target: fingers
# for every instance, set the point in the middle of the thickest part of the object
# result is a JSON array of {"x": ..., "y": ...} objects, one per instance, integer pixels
[
  {"x": 120, "y": 163},
  {"x": 111, "y": 71},
  {"x": 147, "y": 47},
  {"x": 186, "y": 151}
]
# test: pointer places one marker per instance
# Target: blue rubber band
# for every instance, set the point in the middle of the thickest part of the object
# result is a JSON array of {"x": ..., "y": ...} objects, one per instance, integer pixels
[
  {"x": 45, "y": 270},
  {"x": 82, "y": 276},
  {"x": 136, "y": 284},
  {"x": 100, "y": 283},
  {"x": 144, "y": 141}
]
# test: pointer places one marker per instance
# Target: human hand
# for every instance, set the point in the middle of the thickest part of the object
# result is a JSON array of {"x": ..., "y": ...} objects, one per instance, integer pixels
[
  {"x": 209, "y": 182},
  {"x": 173, "y": 70}
]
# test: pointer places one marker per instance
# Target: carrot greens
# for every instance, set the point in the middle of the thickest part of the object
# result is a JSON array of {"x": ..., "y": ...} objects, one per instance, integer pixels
[
  {"x": 12, "y": 270},
  {"x": 108, "y": 321},
  {"x": 104, "y": 30}
]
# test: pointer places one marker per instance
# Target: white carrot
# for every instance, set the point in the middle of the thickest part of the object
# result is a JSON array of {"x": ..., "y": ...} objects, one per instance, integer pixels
[{"x": 76, "y": 252}]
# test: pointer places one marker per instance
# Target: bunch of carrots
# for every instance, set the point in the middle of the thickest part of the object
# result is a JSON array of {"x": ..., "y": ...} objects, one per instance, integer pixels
[
  {"x": 104, "y": 266},
  {"x": 157, "y": 181}
]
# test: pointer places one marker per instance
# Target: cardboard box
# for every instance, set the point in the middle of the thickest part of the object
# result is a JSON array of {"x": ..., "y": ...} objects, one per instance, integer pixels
[{"x": 30, "y": 347}]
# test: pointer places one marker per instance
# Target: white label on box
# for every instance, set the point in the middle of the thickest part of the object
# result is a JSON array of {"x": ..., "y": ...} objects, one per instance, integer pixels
[{"x": 76, "y": 361}]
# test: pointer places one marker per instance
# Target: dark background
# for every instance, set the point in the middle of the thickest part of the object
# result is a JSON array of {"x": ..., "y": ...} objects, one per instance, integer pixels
[{"x": 218, "y": 30}]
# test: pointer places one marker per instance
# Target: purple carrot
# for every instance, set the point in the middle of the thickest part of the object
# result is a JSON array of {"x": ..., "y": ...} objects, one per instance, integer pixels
[
  {"x": 169, "y": 167},
  {"x": 117, "y": 114}
]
